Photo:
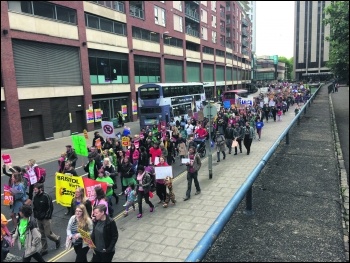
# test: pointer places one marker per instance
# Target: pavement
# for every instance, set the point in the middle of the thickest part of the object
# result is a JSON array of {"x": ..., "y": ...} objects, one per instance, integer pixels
[{"x": 297, "y": 202}]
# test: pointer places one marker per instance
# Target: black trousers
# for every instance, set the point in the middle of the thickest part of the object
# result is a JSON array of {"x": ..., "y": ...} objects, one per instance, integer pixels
[
  {"x": 247, "y": 144},
  {"x": 102, "y": 256},
  {"x": 239, "y": 145},
  {"x": 81, "y": 253},
  {"x": 161, "y": 191}
]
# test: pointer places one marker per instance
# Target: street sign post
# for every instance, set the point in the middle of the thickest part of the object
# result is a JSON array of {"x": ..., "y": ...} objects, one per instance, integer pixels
[{"x": 210, "y": 112}]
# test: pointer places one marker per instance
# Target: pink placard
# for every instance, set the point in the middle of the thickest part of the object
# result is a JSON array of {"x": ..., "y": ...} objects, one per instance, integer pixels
[{"x": 7, "y": 159}]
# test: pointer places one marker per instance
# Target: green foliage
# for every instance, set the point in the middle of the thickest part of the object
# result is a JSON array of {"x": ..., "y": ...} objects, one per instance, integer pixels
[
  {"x": 337, "y": 17},
  {"x": 289, "y": 65}
]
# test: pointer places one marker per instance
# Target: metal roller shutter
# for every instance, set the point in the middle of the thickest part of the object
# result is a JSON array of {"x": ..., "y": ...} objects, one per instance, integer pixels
[{"x": 46, "y": 65}]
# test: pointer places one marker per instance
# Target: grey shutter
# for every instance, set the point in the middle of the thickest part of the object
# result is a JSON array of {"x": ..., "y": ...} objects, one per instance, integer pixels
[{"x": 46, "y": 65}]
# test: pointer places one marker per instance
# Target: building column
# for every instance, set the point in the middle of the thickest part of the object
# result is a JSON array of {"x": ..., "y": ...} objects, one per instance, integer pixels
[{"x": 11, "y": 128}]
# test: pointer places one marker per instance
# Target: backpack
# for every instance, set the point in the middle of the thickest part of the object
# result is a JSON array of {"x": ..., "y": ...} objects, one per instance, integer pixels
[{"x": 41, "y": 174}]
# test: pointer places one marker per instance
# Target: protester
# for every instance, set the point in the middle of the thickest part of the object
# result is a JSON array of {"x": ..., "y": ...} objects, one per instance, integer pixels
[
  {"x": 170, "y": 195},
  {"x": 160, "y": 186},
  {"x": 104, "y": 235},
  {"x": 131, "y": 198},
  {"x": 6, "y": 238},
  {"x": 80, "y": 198},
  {"x": 97, "y": 137},
  {"x": 127, "y": 174},
  {"x": 248, "y": 137},
  {"x": 100, "y": 198},
  {"x": 143, "y": 188},
  {"x": 71, "y": 155},
  {"x": 19, "y": 197},
  {"x": 193, "y": 167},
  {"x": 80, "y": 220},
  {"x": 92, "y": 167},
  {"x": 28, "y": 236},
  {"x": 103, "y": 177},
  {"x": 43, "y": 209},
  {"x": 110, "y": 170},
  {"x": 220, "y": 146},
  {"x": 259, "y": 124}
]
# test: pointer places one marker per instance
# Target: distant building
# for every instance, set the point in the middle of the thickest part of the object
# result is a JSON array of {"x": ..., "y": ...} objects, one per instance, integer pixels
[
  {"x": 62, "y": 60},
  {"x": 311, "y": 50}
]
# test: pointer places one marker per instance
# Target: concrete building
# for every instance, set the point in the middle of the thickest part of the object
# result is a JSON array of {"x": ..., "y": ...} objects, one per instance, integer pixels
[
  {"x": 67, "y": 65},
  {"x": 311, "y": 50}
]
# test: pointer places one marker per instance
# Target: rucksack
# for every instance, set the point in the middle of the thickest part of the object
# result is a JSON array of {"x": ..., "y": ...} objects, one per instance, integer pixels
[{"x": 41, "y": 174}]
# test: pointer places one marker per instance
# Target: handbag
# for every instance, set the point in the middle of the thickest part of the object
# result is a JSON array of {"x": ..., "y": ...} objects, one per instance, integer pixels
[
  {"x": 68, "y": 243},
  {"x": 234, "y": 143}
]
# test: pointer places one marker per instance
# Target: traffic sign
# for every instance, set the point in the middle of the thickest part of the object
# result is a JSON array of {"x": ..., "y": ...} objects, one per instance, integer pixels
[{"x": 210, "y": 111}]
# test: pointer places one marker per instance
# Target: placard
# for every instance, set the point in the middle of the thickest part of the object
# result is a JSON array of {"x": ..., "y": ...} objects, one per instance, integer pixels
[
  {"x": 86, "y": 237},
  {"x": 125, "y": 141},
  {"x": 65, "y": 188},
  {"x": 7, "y": 159},
  {"x": 163, "y": 171},
  {"x": 79, "y": 145},
  {"x": 185, "y": 160},
  {"x": 108, "y": 129},
  {"x": 156, "y": 160},
  {"x": 89, "y": 116}
]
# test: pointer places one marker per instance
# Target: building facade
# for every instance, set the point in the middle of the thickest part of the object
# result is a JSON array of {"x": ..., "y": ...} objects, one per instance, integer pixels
[
  {"x": 311, "y": 50},
  {"x": 67, "y": 65}
]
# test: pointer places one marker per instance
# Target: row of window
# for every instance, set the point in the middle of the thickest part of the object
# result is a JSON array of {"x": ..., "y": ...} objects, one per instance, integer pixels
[{"x": 93, "y": 21}]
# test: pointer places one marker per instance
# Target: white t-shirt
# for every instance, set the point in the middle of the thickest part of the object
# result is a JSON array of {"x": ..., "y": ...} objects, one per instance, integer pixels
[{"x": 189, "y": 129}]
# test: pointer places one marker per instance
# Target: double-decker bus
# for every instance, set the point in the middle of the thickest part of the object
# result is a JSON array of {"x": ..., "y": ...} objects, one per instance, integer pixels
[
  {"x": 159, "y": 102},
  {"x": 230, "y": 96}
]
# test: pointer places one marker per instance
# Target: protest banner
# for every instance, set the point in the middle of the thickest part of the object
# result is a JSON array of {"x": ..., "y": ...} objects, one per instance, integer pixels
[
  {"x": 79, "y": 145},
  {"x": 89, "y": 186},
  {"x": 86, "y": 237},
  {"x": 65, "y": 188},
  {"x": 125, "y": 141},
  {"x": 108, "y": 129},
  {"x": 8, "y": 198},
  {"x": 163, "y": 171},
  {"x": 7, "y": 159}
]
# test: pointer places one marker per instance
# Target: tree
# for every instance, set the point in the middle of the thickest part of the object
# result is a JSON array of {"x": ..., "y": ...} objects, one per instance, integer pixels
[
  {"x": 337, "y": 17},
  {"x": 289, "y": 65}
]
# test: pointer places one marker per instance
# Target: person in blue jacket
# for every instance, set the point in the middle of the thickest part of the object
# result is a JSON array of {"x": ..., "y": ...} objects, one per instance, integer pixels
[{"x": 259, "y": 124}]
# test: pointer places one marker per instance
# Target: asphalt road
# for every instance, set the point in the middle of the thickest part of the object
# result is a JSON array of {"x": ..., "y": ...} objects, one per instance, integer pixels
[{"x": 59, "y": 220}]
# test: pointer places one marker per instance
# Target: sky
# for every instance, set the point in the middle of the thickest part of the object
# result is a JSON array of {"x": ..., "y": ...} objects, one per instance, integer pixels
[{"x": 275, "y": 28}]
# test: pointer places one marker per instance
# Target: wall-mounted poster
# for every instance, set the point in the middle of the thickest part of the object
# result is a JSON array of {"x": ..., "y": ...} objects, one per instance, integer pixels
[
  {"x": 125, "y": 110},
  {"x": 98, "y": 115},
  {"x": 89, "y": 116},
  {"x": 134, "y": 108}
]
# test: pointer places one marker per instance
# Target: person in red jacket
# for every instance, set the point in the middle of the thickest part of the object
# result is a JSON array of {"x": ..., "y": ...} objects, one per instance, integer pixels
[
  {"x": 201, "y": 133},
  {"x": 154, "y": 152}
]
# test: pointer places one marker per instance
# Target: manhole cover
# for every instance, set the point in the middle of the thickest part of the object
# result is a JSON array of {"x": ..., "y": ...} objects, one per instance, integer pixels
[{"x": 33, "y": 147}]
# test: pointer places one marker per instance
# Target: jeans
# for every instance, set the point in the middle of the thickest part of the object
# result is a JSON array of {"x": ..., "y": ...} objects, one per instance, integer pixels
[
  {"x": 190, "y": 177},
  {"x": 45, "y": 231},
  {"x": 36, "y": 256},
  {"x": 81, "y": 253},
  {"x": 140, "y": 195},
  {"x": 102, "y": 256}
]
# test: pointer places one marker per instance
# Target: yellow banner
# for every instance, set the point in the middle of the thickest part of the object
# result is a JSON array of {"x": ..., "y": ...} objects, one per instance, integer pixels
[{"x": 65, "y": 188}]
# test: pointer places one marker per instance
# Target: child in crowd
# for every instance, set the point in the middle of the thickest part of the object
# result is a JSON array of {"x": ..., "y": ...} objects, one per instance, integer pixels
[
  {"x": 170, "y": 195},
  {"x": 131, "y": 197}
]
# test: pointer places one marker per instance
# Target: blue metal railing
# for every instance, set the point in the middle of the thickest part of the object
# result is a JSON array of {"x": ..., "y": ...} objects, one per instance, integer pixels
[{"x": 201, "y": 249}]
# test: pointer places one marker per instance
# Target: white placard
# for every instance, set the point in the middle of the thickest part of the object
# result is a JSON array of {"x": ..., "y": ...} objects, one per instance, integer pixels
[
  {"x": 156, "y": 160},
  {"x": 32, "y": 176},
  {"x": 163, "y": 171},
  {"x": 108, "y": 129},
  {"x": 185, "y": 160}
]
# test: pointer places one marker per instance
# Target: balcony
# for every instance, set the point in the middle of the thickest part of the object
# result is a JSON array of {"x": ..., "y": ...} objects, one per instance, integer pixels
[
  {"x": 245, "y": 22},
  {"x": 245, "y": 52},
  {"x": 244, "y": 32},
  {"x": 222, "y": 29},
  {"x": 222, "y": 43},
  {"x": 222, "y": 14},
  {"x": 229, "y": 45},
  {"x": 192, "y": 32},
  {"x": 192, "y": 14},
  {"x": 137, "y": 12},
  {"x": 245, "y": 43}
]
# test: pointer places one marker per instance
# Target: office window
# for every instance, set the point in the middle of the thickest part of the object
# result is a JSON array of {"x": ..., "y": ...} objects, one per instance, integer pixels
[
  {"x": 173, "y": 41},
  {"x": 204, "y": 32},
  {"x": 159, "y": 16},
  {"x": 178, "y": 23},
  {"x": 147, "y": 69},
  {"x": 213, "y": 6},
  {"x": 177, "y": 5},
  {"x": 204, "y": 16},
  {"x": 44, "y": 9},
  {"x": 92, "y": 21},
  {"x": 213, "y": 21},
  {"x": 213, "y": 36}
]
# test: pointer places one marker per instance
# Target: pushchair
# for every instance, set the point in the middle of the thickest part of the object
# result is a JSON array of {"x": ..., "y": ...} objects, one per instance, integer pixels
[{"x": 201, "y": 147}]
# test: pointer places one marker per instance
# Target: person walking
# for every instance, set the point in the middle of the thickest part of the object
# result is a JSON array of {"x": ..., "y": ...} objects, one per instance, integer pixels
[
  {"x": 92, "y": 167},
  {"x": 19, "y": 197},
  {"x": 80, "y": 220},
  {"x": 104, "y": 235},
  {"x": 71, "y": 155},
  {"x": 238, "y": 135},
  {"x": 259, "y": 124},
  {"x": 160, "y": 186},
  {"x": 43, "y": 209},
  {"x": 28, "y": 236},
  {"x": 248, "y": 136},
  {"x": 131, "y": 198},
  {"x": 143, "y": 187},
  {"x": 229, "y": 137},
  {"x": 103, "y": 177},
  {"x": 220, "y": 146},
  {"x": 6, "y": 238},
  {"x": 80, "y": 198},
  {"x": 193, "y": 167}
]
